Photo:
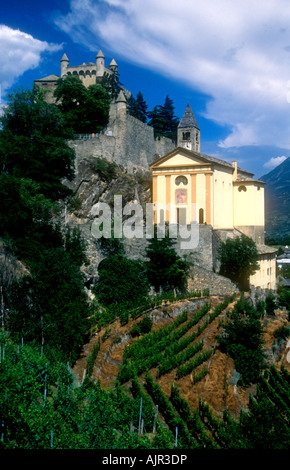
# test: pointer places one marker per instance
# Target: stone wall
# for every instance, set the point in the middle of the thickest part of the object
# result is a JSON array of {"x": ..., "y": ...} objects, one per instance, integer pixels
[{"x": 126, "y": 141}]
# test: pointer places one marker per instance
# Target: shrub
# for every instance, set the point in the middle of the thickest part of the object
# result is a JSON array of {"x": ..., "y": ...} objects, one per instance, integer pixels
[
  {"x": 271, "y": 303},
  {"x": 142, "y": 327},
  {"x": 122, "y": 282},
  {"x": 282, "y": 332}
]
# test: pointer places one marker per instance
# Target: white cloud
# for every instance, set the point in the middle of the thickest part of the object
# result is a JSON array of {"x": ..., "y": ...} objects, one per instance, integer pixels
[
  {"x": 20, "y": 52},
  {"x": 236, "y": 52},
  {"x": 274, "y": 161}
]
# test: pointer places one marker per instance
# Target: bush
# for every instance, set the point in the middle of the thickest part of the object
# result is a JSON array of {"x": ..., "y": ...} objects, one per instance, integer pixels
[
  {"x": 142, "y": 327},
  {"x": 282, "y": 332},
  {"x": 271, "y": 303},
  {"x": 122, "y": 282}
]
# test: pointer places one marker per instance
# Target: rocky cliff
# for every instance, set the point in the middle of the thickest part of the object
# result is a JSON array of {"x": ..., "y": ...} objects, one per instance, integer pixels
[{"x": 99, "y": 180}]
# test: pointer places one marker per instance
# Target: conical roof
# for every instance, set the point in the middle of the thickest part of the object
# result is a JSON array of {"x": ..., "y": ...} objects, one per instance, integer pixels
[
  {"x": 64, "y": 57},
  {"x": 100, "y": 54},
  {"x": 121, "y": 97},
  {"x": 188, "y": 119}
]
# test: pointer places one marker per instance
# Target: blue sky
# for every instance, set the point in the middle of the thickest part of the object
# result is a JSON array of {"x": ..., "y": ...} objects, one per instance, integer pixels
[{"x": 229, "y": 59}]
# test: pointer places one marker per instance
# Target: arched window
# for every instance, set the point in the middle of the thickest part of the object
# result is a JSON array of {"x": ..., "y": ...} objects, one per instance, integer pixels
[
  {"x": 186, "y": 136},
  {"x": 242, "y": 188},
  {"x": 181, "y": 179}
]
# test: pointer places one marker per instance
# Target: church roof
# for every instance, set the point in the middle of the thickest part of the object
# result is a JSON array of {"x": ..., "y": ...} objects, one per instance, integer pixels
[
  {"x": 188, "y": 118},
  {"x": 206, "y": 159}
]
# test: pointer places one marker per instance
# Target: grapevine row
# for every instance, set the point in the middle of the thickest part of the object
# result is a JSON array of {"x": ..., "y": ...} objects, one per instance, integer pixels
[
  {"x": 171, "y": 362},
  {"x": 191, "y": 365},
  {"x": 173, "y": 421},
  {"x": 158, "y": 340},
  {"x": 214, "y": 426},
  {"x": 192, "y": 421},
  {"x": 151, "y": 339}
]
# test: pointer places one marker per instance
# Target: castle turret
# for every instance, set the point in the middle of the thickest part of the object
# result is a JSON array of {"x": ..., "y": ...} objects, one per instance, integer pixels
[
  {"x": 113, "y": 66},
  {"x": 188, "y": 132},
  {"x": 100, "y": 64},
  {"x": 64, "y": 63},
  {"x": 121, "y": 103}
]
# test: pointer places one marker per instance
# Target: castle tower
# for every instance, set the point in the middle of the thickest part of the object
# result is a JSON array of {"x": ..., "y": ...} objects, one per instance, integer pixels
[
  {"x": 100, "y": 64},
  {"x": 188, "y": 132},
  {"x": 64, "y": 63},
  {"x": 121, "y": 103},
  {"x": 113, "y": 66}
]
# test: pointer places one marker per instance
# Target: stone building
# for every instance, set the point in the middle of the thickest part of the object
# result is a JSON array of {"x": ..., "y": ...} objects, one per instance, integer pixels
[
  {"x": 125, "y": 140},
  {"x": 89, "y": 73},
  {"x": 189, "y": 186}
]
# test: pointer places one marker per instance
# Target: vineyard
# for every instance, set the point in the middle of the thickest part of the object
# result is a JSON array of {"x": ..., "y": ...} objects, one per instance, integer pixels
[
  {"x": 175, "y": 367},
  {"x": 169, "y": 387}
]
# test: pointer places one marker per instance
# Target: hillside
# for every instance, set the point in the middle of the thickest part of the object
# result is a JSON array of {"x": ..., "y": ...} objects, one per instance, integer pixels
[
  {"x": 277, "y": 201},
  {"x": 178, "y": 366}
]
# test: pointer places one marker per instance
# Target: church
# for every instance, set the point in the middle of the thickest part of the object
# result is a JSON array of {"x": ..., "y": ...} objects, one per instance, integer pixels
[{"x": 189, "y": 186}]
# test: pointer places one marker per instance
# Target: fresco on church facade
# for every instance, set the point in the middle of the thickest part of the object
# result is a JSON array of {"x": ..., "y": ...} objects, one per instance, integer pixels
[{"x": 181, "y": 196}]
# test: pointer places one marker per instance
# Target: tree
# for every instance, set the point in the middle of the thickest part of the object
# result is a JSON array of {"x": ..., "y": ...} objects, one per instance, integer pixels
[
  {"x": 165, "y": 268},
  {"x": 33, "y": 143},
  {"x": 163, "y": 120},
  {"x": 111, "y": 83},
  {"x": 138, "y": 107},
  {"x": 85, "y": 109},
  {"x": 239, "y": 259},
  {"x": 50, "y": 305},
  {"x": 25, "y": 216},
  {"x": 242, "y": 340},
  {"x": 121, "y": 282}
]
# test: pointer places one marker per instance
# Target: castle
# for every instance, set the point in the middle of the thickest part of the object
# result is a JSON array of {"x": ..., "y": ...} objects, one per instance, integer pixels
[
  {"x": 187, "y": 185},
  {"x": 89, "y": 73}
]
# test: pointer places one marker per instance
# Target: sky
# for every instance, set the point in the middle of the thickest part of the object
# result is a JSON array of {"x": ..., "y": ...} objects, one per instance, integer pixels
[{"x": 230, "y": 60}]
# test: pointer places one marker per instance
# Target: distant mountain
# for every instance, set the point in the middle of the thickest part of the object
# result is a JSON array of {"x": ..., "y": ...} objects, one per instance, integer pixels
[{"x": 277, "y": 201}]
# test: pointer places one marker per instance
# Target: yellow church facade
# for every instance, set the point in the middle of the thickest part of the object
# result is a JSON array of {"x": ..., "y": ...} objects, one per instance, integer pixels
[
  {"x": 195, "y": 187},
  {"x": 188, "y": 186}
]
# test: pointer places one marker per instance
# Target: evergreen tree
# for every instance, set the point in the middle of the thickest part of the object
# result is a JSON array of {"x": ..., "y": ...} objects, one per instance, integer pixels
[
  {"x": 111, "y": 83},
  {"x": 138, "y": 107},
  {"x": 165, "y": 268},
  {"x": 163, "y": 120}
]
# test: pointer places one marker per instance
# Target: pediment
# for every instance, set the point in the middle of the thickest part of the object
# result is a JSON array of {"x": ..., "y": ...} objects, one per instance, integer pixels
[{"x": 180, "y": 158}]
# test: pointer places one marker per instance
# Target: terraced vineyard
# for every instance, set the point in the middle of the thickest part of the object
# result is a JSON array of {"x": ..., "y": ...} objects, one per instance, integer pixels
[
  {"x": 179, "y": 351},
  {"x": 186, "y": 383}
]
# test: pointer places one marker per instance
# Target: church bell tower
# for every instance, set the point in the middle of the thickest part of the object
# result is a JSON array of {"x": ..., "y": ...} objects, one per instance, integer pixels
[{"x": 188, "y": 132}]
